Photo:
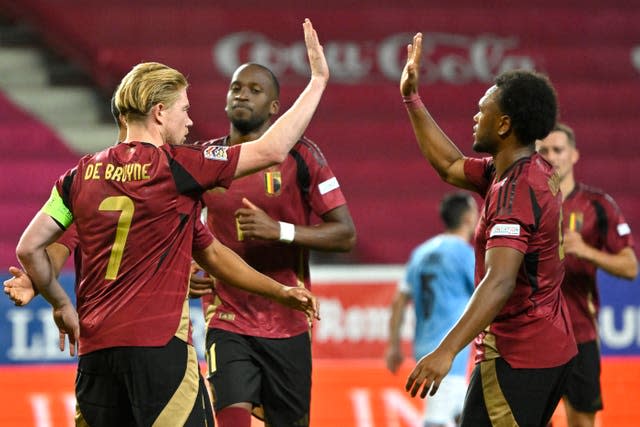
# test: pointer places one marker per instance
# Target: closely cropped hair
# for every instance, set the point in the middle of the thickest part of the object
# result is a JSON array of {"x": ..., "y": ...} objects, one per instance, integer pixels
[
  {"x": 148, "y": 84},
  {"x": 274, "y": 79},
  {"x": 453, "y": 207},
  {"x": 571, "y": 136},
  {"x": 529, "y": 99}
]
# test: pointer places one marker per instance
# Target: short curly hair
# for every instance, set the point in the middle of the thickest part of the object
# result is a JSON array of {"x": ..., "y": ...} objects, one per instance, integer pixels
[{"x": 529, "y": 99}]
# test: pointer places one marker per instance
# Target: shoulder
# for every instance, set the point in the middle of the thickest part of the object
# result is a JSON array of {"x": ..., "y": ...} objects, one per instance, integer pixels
[
  {"x": 215, "y": 141},
  {"x": 308, "y": 149},
  {"x": 596, "y": 195}
]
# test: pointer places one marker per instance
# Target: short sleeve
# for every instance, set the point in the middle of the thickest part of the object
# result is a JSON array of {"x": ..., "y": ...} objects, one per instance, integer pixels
[
  {"x": 324, "y": 192},
  {"x": 69, "y": 238},
  {"x": 479, "y": 172}
]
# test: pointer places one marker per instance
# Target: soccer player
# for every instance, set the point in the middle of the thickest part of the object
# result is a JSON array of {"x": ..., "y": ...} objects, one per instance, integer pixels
[
  {"x": 135, "y": 206},
  {"x": 524, "y": 344},
  {"x": 258, "y": 352},
  {"x": 439, "y": 280},
  {"x": 596, "y": 235}
]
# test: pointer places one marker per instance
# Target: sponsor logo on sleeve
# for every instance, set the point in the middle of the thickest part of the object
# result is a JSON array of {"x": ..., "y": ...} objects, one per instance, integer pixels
[
  {"x": 505, "y": 230},
  {"x": 216, "y": 152},
  {"x": 328, "y": 185},
  {"x": 623, "y": 229}
]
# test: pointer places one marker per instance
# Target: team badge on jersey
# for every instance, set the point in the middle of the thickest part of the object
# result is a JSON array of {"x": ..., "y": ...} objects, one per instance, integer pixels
[
  {"x": 272, "y": 183},
  {"x": 216, "y": 152}
]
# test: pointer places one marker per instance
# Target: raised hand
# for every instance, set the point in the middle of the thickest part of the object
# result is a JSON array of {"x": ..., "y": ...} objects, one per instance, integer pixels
[
  {"x": 317, "y": 60},
  {"x": 411, "y": 72},
  {"x": 19, "y": 288}
]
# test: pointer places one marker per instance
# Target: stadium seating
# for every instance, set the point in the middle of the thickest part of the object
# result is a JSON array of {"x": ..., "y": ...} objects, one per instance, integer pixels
[{"x": 361, "y": 125}]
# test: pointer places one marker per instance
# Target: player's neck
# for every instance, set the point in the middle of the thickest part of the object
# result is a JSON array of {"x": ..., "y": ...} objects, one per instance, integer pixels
[
  {"x": 238, "y": 137},
  {"x": 567, "y": 185},
  {"x": 509, "y": 155},
  {"x": 140, "y": 132}
]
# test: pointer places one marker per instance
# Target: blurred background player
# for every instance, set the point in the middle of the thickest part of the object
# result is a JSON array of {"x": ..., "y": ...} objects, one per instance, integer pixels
[
  {"x": 596, "y": 235},
  {"x": 439, "y": 281},
  {"x": 259, "y": 353}
]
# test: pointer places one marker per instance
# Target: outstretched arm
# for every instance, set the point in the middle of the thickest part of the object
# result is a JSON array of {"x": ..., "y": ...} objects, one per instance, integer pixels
[
  {"x": 224, "y": 264},
  {"x": 436, "y": 147},
  {"x": 272, "y": 147},
  {"x": 336, "y": 233}
]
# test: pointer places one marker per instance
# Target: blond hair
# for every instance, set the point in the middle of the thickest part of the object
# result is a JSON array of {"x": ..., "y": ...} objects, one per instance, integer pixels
[{"x": 148, "y": 84}]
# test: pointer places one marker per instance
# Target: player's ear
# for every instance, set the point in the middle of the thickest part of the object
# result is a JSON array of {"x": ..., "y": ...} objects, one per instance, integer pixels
[{"x": 274, "y": 107}]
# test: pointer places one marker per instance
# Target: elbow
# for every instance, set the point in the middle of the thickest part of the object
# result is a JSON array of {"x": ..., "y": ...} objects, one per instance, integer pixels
[
  {"x": 24, "y": 252},
  {"x": 632, "y": 272},
  {"x": 347, "y": 243}
]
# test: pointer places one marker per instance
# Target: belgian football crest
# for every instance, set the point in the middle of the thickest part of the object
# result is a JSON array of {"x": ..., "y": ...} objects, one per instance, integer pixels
[{"x": 272, "y": 183}]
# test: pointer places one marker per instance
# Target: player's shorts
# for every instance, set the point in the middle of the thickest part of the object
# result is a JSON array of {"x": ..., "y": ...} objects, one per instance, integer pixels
[
  {"x": 583, "y": 388},
  {"x": 144, "y": 386},
  {"x": 446, "y": 405},
  {"x": 272, "y": 374},
  {"x": 500, "y": 395}
]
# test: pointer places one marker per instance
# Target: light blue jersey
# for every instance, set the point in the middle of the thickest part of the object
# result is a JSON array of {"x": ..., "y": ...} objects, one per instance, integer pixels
[{"x": 439, "y": 278}]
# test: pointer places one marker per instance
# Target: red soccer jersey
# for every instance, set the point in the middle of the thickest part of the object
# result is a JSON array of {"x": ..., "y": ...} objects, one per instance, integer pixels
[
  {"x": 135, "y": 207},
  {"x": 598, "y": 219},
  {"x": 522, "y": 210},
  {"x": 301, "y": 186}
]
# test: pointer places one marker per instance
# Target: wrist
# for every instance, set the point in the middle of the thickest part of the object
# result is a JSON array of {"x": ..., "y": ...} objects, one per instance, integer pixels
[
  {"x": 287, "y": 232},
  {"x": 413, "y": 101}
]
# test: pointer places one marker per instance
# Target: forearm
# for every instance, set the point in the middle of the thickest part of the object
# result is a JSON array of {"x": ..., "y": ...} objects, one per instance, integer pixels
[
  {"x": 32, "y": 253},
  {"x": 437, "y": 148},
  {"x": 484, "y": 305},
  {"x": 327, "y": 236},
  {"x": 42, "y": 274},
  {"x": 623, "y": 264},
  {"x": 224, "y": 264}
]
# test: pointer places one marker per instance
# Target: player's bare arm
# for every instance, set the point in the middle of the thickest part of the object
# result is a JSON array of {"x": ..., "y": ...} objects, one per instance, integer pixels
[
  {"x": 31, "y": 251},
  {"x": 224, "y": 264},
  {"x": 20, "y": 288},
  {"x": 502, "y": 265},
  {"x": 274, "y": 145},
  {"x": 434, "y": 144},
  {"x": 393, "y": 355},
  {"x": 623, "y": 264},
  {"x": 335, "y": 233}
]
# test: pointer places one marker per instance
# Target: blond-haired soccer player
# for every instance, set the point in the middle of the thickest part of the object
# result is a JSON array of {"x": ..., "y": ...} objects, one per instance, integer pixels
[{"x": 135, "y": 206}]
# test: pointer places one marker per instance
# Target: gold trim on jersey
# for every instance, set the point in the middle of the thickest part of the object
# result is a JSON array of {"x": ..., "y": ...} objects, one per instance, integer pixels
[
  {"x": 497, "y": 406},
  {"x": 183, "y": 327},
  {"x": 179, "y": 407},
  {"x": 489, "y": 344},
  {"x": 211, "y": 309}
]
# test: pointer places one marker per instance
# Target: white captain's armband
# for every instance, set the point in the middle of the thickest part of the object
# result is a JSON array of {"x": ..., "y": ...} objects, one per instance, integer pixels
[
  {"x": 623, "y": 229},
  {"x": 328, "y": 185},
  {"x": 57, "y": 210},
  {"x": 505, "y": 230}
]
